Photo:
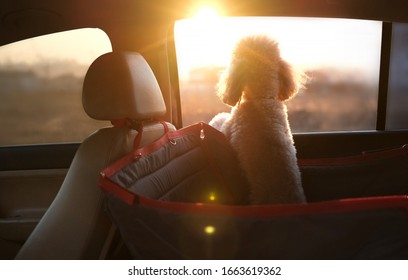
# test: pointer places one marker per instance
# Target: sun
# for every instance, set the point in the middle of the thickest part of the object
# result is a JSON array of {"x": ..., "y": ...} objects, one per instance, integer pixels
[
  {"x": 206, "y": 13},
  {"x": 197, "y": 37}
]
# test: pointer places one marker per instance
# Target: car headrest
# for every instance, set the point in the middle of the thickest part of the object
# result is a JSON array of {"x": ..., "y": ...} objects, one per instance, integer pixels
[{"x": 122, "y": 85}]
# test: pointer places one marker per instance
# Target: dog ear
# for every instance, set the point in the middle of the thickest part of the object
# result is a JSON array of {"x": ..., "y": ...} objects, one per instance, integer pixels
[
  {"x": 288, "y": 82},
  {"x": 232, "y": 84}
]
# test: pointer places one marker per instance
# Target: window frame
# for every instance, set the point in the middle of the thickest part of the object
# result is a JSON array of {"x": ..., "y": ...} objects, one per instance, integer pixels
[
  {"x": 384, "y": 71},
  {"x": 384, "y": 76}
]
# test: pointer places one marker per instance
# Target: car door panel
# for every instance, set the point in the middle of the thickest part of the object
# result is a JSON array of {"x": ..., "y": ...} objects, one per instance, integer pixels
[
  {"x": 30, "y": 177},
  {"x": 338, "y": 144}
]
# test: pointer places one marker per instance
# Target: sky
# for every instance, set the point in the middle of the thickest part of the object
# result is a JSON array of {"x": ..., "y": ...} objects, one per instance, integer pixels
[
  {"x": 82, "y": 45},
  {"x": 304, "y": 42},
  {"x": 207, "y": 40}
]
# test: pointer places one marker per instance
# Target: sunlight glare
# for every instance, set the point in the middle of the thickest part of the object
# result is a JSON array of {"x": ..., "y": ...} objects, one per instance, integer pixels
[
  {"x": 303, "y": 42},
  {"x": 209, "y": 230},
  {"x": 206, "y": 13}
]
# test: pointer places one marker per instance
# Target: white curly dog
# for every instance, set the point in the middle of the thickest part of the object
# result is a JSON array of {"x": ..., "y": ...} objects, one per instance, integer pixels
[{"x": 256, "y": 84}]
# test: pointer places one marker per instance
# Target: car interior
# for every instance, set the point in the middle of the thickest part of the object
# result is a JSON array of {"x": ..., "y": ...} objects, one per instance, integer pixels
[
  {"x": 141, "y": 99},
  {"x": 51, "y": 206}
]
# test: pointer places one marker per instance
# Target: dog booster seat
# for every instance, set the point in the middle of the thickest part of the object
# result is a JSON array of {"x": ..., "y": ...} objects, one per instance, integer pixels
[{"x": 175, "y": 199}]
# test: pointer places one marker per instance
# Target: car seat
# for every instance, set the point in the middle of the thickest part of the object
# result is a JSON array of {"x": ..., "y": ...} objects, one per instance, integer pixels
[{"x": 118, "y": 86}]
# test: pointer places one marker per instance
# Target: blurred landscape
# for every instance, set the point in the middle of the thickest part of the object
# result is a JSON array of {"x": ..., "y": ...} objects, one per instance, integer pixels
[
  {"x": 45, "y": 106},
  {"x": 332, "y": 100}
]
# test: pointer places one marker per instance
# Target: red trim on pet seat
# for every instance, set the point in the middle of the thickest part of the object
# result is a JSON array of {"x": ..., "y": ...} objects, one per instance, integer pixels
[{"x": 282, "y": 210}]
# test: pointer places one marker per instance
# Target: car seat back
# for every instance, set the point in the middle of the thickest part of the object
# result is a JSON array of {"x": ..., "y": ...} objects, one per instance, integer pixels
[{"x": 122, "y": 88}]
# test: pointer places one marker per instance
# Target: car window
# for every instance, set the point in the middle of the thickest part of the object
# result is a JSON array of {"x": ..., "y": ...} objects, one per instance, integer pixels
[
  {"x": 341, "y": 57},
  {"x": 397, "y": 105},
  {"x": 41, "y": 84}
]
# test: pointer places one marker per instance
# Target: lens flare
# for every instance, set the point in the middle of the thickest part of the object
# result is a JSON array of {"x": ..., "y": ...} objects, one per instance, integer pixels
[
  {"x": 209, "y": 230},
  {"x": 212, "y": 197}
]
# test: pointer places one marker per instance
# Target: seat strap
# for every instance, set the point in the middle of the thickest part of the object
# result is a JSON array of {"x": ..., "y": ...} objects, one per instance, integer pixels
[
  {"x": 139, "y": 129},
  {"x": 138, "y": 138}
]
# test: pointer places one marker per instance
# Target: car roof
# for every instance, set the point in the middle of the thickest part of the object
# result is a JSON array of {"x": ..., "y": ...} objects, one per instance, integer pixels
[{"x": 25, "y": 19}]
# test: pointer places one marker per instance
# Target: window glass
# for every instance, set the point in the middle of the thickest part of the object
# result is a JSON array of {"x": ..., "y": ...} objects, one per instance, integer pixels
[
  {"x": 397, "y": 111},
  {"x": 341, "y": 57},
  {"x": 41, "y": 85}
]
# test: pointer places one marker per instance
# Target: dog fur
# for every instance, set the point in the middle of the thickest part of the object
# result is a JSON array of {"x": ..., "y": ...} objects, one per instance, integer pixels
[{"x": 256, "y": 84}]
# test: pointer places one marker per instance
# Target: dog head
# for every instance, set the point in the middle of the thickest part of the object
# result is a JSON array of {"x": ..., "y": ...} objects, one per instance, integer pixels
[{"x": 257, "y": 71}]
